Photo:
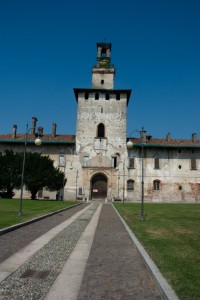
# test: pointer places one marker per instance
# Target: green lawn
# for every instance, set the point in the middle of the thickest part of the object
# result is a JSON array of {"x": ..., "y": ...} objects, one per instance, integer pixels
[
  {"x": 31, "y": 208},
  {"x": 171, "y": 236}
]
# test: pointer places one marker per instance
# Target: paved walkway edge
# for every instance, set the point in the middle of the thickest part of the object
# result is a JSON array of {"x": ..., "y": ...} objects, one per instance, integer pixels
[
  {"x": 68, "y": 282},
  {"x": 166, "y": 290},
  {"x": 13, "y": 227}
]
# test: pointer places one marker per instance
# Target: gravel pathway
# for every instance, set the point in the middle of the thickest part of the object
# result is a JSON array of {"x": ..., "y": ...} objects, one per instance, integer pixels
[
  {"x": 15, "y": 240},
  {"x": 33, "y": 279}
]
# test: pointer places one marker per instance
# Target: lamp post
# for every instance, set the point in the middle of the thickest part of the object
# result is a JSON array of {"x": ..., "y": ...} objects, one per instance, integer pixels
[
  {"x": 71, "y": 167},
  {"x": 123, "y": 162},
  {"x": 129, "y": 146},
  {"x": 38, "y": 142},
  {"x": 76, "y": 183}
]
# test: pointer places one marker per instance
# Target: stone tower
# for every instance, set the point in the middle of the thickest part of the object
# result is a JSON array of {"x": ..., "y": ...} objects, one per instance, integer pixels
[{"x": 101, "y": 128}]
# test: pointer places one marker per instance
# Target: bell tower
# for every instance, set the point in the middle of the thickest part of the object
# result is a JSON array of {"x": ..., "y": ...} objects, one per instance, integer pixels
[
  {"x": 101, "y": 127},
  {"x": 103, "y": 73}
]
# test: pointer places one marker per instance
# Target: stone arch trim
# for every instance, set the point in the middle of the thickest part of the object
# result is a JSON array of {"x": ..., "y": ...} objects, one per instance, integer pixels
[{"x": 99, "y": 186}]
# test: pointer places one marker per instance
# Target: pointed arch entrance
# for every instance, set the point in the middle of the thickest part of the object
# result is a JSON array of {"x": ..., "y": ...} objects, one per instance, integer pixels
[{"x": 99, "y": 183}]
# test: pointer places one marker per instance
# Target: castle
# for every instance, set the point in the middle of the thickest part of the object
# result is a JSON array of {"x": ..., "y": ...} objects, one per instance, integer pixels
[{"x": 101, "y": 162}]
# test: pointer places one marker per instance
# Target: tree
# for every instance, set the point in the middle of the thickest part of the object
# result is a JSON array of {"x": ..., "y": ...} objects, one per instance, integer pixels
[
  {"x": 10, "y": 173},
  {"x": 40, "y": 172}
]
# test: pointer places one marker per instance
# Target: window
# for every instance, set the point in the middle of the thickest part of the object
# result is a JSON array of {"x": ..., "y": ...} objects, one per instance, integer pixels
[
  {"x": 193, "y": 164},
  {"x": 156, "y": 163},
  {"x": 103, "y": 52},
  {"x": 156, "y": 185},
  {"x": 101, "y": 110},
  {"x": 107, "y": 96},
  {"x": 96, "y": 96},
  {"x": 86, "y": 96},
  {"x": 102, "y": 81},
  {"x": 114, "y": 161},
  {"x": 80, "y": 191},
  {"x": 130, "y": 185},
  {"x": 118, "y": 96},
  {"x": 101, "y": 131},
  {"x": 131, "y": 162},
  {"x": 61, "y": 161},
  {"x": 86, "y": 161}
]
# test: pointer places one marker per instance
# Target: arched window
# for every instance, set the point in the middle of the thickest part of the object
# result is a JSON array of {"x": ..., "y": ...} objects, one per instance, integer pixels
[
  {"x": 130, "y": 185},
  {"x": 103, "y": 52},
  {"x": 156, "y": 185},
  {"x": 101, "y": 131}
]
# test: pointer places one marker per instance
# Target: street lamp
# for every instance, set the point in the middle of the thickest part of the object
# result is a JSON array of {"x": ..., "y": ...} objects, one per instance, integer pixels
[
  {"x": 129, "y": 146},
  {"x": 38, "y": 142},
  {"x": 76, "y": 183},
  {"x": 71, "y": 167}
]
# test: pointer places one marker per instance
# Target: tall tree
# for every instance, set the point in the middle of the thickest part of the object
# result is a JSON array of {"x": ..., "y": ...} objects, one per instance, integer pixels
[
  {"x": 10, "y": 173},
  {"x": 40, "y": 172}
]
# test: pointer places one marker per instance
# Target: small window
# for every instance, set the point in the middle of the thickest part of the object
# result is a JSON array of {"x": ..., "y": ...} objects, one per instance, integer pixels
[
  {"x": 193, "y": 164},
  {"x": 130, "y": 185},
  {"x": 118, "y": 96},
  {"x": 86, "y": 161},
  {"x": 156, "y": 163},
  {"x": 86, "y": 96},
  {"x": 107, "y": 97},
  {"x": 114, "y": 161},
  {"x": 96, "y": 96},
  {"x": 131, "y": 163},
  {"x": 102, "y": 81},
  {"x": 101, "y": 110},
  {"x": 156, "y": 185},
  {"x": 61, "y": 161},
  {"x": 80, "y": 191},
  {"x": 101, "y": 131}
]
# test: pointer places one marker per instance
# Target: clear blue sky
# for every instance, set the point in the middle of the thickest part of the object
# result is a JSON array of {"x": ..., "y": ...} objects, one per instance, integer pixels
[{"x": 49, "y": 47}]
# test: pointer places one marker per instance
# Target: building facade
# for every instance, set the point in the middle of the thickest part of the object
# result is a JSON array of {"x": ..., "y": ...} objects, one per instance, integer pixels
[{"x": 97, "y": 162}]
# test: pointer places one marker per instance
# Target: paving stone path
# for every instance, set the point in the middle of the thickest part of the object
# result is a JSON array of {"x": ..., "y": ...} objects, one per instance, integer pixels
[{"x": 114, "y": 269}]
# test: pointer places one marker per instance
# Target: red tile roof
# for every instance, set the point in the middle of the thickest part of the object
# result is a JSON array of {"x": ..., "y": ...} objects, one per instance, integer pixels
[
  {"x": 45, "y": 138},
  {"x": 153, "y": 142},
  {"x": 171, "y": 143}
]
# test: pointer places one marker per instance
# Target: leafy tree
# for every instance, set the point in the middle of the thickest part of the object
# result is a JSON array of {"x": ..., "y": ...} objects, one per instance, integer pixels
[
  {"x": 10, "y": 173},
  {"x": 40, "y": 172}
]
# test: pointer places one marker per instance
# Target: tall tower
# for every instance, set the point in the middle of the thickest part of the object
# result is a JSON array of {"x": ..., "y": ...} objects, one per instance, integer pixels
[{"x": 101, "y": 125}]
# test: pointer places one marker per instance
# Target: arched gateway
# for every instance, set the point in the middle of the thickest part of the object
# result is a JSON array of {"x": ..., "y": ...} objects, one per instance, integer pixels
[{"x": 99, "y": 186}]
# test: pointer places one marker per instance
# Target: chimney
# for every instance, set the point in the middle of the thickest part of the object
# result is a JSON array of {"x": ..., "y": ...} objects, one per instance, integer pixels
[
  {"x": 168, "y": 137},
  {"x": 143, "y": 136},
  {"x": 40, "y": 131},
  {"x": 14, "y": 131},
  {"x": 54, "y": 129},
  {"x": 34, "y": 122},
  {"x": 194, "y": 137}
]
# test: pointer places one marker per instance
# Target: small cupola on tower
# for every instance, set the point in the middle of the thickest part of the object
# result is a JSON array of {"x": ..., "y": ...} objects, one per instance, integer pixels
[{"x": 103, "y": 73}]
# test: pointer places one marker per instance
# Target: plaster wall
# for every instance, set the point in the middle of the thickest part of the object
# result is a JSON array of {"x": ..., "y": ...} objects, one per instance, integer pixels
[{"x": 178, "y": 182}]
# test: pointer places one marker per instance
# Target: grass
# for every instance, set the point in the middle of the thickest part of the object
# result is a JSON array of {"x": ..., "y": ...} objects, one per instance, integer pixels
[
  {"x": 171, "y": 236},
  {"x": 31, "y": 208}
]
